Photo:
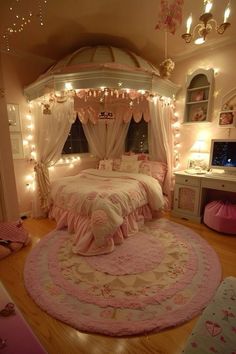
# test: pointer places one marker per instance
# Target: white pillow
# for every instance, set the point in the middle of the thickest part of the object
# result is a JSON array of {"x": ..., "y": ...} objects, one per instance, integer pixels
[
  {"x": 131, "y": 166},
  {"x": 105, "y": 165}
]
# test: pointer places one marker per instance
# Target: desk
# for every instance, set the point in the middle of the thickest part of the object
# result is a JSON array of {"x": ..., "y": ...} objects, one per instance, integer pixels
[{"x": 191, "y": 191}]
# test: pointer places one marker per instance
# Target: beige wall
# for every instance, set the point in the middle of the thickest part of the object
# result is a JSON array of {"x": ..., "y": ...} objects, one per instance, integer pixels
[
  {"x": 223, "y": 62},
  {"x": 18, "y": 71},
  {"x": 9, "y": 209}
]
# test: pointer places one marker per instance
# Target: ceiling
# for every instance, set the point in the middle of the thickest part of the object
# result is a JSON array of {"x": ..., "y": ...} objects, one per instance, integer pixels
[{"x": 70, "y": 24}]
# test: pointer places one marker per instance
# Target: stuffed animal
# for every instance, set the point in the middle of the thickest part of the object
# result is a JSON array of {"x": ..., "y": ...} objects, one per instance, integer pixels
[{"x": 13, "y": 237}]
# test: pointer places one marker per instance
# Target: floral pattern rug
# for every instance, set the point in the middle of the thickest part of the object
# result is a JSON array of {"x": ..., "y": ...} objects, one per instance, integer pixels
[{"x": 158, "y": 278}]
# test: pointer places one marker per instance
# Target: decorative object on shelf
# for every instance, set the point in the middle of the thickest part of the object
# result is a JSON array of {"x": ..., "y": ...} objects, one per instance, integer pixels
[
  {"x": 199, "y": 93},
  {"x": 206, "y": 25},
  {"x": 166, "y": 68},
  {"x": 198, "y": 114}
]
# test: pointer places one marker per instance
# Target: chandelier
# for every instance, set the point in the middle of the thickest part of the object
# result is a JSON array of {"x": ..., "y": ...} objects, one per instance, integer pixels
[{"x": 206, "y": 25}]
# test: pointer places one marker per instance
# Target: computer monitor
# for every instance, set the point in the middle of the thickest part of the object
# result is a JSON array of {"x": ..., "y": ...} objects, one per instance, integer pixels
[{"x": 223, "y": 155}]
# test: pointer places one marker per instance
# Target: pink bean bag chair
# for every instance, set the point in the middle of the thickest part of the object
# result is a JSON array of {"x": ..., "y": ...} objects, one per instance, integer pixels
[
  {"x": 221, "y": 216},
  {"x": 13, "y": 237}
]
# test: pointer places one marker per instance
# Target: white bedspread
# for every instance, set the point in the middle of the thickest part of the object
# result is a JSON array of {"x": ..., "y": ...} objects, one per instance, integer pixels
[{"x": 106, "y": 197}]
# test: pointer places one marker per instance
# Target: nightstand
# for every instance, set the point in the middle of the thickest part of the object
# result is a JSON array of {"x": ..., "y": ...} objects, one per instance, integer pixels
[{"x": 187, "y": 196}]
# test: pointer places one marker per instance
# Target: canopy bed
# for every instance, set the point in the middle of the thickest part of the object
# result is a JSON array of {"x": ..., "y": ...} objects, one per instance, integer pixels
[{"x": 105, "y": 87}]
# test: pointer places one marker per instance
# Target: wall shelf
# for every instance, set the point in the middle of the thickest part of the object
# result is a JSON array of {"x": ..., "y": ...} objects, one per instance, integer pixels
[{"x": 199, "y": 93}]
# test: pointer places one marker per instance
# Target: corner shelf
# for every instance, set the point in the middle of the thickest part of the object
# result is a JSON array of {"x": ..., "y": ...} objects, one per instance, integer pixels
[{"x": 199, "y": 93}]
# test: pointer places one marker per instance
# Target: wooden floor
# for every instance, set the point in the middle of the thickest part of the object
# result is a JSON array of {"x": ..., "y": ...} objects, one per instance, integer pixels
[{"x": 58, "y": 338}]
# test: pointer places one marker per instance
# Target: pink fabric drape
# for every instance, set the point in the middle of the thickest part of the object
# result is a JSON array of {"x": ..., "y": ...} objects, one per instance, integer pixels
[
  {"x": 123, "y": 106},
  {"x": 161, "y": 144}
]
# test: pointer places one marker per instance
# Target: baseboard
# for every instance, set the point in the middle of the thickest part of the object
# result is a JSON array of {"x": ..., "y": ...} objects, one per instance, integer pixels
[
  {"x": 197, "y": 219},
  {"x": 25, "y": 214}
]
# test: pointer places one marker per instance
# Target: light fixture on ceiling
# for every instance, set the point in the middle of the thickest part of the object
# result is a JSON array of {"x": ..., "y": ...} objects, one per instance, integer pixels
[{"x": 206, "y": 25}]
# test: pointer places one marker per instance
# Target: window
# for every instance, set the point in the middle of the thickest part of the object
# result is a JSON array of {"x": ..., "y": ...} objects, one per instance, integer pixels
[
  {"x": 76, "y": 141},
  {"x": 137, "y": 137}
]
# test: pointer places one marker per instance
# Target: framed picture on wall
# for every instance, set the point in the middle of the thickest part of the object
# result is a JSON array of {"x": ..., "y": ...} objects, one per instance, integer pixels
[
  {"x": 17, "y": 145},
  {"x": 13, "y": 117},
  {"x": 227, "y": 119}
]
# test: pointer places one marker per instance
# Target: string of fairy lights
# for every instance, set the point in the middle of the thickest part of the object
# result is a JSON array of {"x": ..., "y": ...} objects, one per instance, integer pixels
[
  {"x": 20, "y": 14},
  {"x": 71, "y": 161}
]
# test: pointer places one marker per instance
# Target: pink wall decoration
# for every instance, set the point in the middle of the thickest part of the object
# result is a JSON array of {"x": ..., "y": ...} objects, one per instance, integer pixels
[{"x": 170, "y": 15}]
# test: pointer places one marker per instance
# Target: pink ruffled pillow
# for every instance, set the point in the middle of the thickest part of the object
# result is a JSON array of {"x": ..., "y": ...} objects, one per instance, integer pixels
[
  {"x": 155, "y": 169},
  {"x": 105, "y": 165}
]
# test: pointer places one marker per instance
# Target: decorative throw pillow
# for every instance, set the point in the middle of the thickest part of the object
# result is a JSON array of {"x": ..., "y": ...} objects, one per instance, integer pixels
[
  {"x": 142, "y": 157},
  {"x": 116, "y": 164},
  {"x": 105, "y": 165},
  {"x": 131, "y": 166},
  {"x": 155, "y": 169}
]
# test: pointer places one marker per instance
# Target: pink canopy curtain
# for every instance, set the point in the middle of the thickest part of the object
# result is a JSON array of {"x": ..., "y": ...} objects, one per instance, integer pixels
[{"x": 161, "y": 143}]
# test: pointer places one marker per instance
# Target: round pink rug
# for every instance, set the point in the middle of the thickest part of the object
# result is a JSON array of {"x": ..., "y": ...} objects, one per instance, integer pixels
[{"x": 160, "y": 277}]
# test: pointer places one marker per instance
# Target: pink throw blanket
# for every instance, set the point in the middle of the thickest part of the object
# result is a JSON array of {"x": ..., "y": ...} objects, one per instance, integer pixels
[{"x": 96, "y": 204}]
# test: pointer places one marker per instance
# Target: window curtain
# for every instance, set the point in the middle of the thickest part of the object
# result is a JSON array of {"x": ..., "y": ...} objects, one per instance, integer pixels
[
  {"x": 117, "y": 130},
  {"x": 52, "y": 125},
  {"x": 106, "y": 138},
  {"x": 161, "y": 144},
  {"x": 96, "y": 136}
]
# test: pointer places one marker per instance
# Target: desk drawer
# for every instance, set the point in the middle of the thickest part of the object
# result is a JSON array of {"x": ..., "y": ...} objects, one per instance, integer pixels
[
  {"x": 187, "y": 180},
  {"x": 219, "y": 185}
]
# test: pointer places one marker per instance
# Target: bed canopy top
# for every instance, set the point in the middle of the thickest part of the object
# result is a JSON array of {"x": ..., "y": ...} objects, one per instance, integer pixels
[{"x": 101, "y": 66}]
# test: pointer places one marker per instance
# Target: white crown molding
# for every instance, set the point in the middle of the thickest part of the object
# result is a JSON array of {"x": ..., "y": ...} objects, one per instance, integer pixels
[{"x": 196, "y": 50}]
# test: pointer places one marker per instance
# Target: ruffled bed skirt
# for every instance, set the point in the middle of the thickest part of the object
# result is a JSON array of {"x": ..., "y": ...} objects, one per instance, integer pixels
[{"x": 83, "y": 238}]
